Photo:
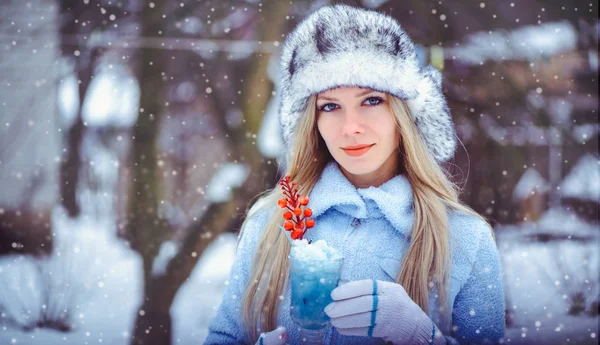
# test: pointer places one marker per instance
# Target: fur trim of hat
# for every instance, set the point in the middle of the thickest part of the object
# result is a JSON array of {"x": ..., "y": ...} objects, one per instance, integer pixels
[{"x": 339, "y": 45}]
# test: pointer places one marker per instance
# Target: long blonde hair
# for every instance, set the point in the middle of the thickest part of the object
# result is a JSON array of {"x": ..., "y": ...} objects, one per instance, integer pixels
[{"x": 428, "y": 259}]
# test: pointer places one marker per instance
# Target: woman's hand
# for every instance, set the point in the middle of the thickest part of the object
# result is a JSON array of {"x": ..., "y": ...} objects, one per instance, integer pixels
[
  {"x": 276, "y": 337},
  {"x": 378, "y": 308}
]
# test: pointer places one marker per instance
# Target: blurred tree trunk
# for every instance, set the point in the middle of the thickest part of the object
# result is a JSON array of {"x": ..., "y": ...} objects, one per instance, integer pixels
[
  {"x": 145, "y": 228},
  {"x": 153, "y": 324},
  {"x": 70, "y": 166},
  {"x": 257, "y": 91},
  {"x": 85, "y": 61}
]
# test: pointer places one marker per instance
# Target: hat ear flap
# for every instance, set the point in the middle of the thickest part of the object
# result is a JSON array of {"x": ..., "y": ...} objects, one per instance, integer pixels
[
  {"x": 434, "y": 74},
  {"x": 432, "y": 115}
]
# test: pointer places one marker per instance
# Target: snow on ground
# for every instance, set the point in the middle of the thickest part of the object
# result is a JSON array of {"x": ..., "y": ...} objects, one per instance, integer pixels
[
  {"x": 197, "y": 301},
  {"x": 569, "y": 330},
  {"x": 540, "y": 278},
  {"x": 95, "y": 268}
]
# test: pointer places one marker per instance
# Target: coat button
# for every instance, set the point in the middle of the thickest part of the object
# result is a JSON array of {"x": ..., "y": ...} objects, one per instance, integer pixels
[{"x": 356, "y": 223}]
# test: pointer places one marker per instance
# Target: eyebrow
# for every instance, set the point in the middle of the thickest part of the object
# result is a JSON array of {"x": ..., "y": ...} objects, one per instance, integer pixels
[{"x": 362, "y": 93}]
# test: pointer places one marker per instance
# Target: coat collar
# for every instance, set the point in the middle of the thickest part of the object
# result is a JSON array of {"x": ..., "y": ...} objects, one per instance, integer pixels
[{"x": 392, "y": 200}]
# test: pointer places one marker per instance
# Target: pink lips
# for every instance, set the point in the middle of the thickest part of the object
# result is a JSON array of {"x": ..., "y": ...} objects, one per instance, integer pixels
[{"x": 357, "y": 150}]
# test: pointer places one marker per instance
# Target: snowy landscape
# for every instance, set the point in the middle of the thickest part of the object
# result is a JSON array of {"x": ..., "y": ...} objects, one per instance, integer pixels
[
  {"x": 540, "y": 282},
  {"x": 523, "y": 90}
]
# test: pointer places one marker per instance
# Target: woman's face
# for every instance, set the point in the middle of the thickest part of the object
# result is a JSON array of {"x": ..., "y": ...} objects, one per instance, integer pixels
[{"x": 359, "y": 129}]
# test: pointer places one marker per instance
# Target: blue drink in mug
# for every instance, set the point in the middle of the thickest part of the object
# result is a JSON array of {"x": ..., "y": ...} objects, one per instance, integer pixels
[{"x": 315, "y": 270}]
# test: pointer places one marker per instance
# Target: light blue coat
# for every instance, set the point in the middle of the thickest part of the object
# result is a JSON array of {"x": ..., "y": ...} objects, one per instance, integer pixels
[{"x": 371, "y": 227}]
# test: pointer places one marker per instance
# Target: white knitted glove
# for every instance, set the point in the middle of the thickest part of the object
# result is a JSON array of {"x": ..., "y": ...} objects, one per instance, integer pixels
[
  {"x": 378, "y": 308},
  {"x": 276, "y": 337}
]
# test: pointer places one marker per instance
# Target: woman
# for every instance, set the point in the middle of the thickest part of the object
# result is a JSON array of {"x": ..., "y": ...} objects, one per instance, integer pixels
[{"x": 366, "y": 129}]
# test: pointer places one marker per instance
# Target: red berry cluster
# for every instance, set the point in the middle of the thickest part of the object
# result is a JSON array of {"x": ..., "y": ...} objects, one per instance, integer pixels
[{"x": 296, "y": 219}]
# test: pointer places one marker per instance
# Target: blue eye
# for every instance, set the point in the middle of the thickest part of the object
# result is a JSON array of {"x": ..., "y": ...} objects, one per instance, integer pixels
[
  {"x": 325, "y": 105},
  {"x": 378, "y": 101}
]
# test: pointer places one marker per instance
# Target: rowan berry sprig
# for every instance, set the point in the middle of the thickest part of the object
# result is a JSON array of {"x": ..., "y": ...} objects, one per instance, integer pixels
[{"x": 296, "y": 219}]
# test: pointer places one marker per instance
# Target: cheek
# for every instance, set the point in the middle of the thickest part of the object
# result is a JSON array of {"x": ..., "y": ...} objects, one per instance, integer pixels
[
  {"x": 389, "y": 134},
  {"x": 388, "y": 137},
  {"x": 325, "y": 129},
  {"x": 392, "y": 129}
]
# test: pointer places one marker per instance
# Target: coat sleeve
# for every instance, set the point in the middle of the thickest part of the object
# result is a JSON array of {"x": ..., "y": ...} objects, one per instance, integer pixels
[
  {"x": 227, "y": 327},
  {"x": 478, "y": 313}
]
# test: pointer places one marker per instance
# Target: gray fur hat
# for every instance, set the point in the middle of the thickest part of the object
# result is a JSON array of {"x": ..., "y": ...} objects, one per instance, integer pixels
[{"x": 340, "y": 45}]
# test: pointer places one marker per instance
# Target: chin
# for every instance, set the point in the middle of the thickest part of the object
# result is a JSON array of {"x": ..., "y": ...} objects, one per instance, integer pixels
[{"x": 358, "y": 167}]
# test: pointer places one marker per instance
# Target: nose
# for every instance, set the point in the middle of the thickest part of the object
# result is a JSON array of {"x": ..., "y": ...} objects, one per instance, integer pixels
[{"x": 352, "y": 123}]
